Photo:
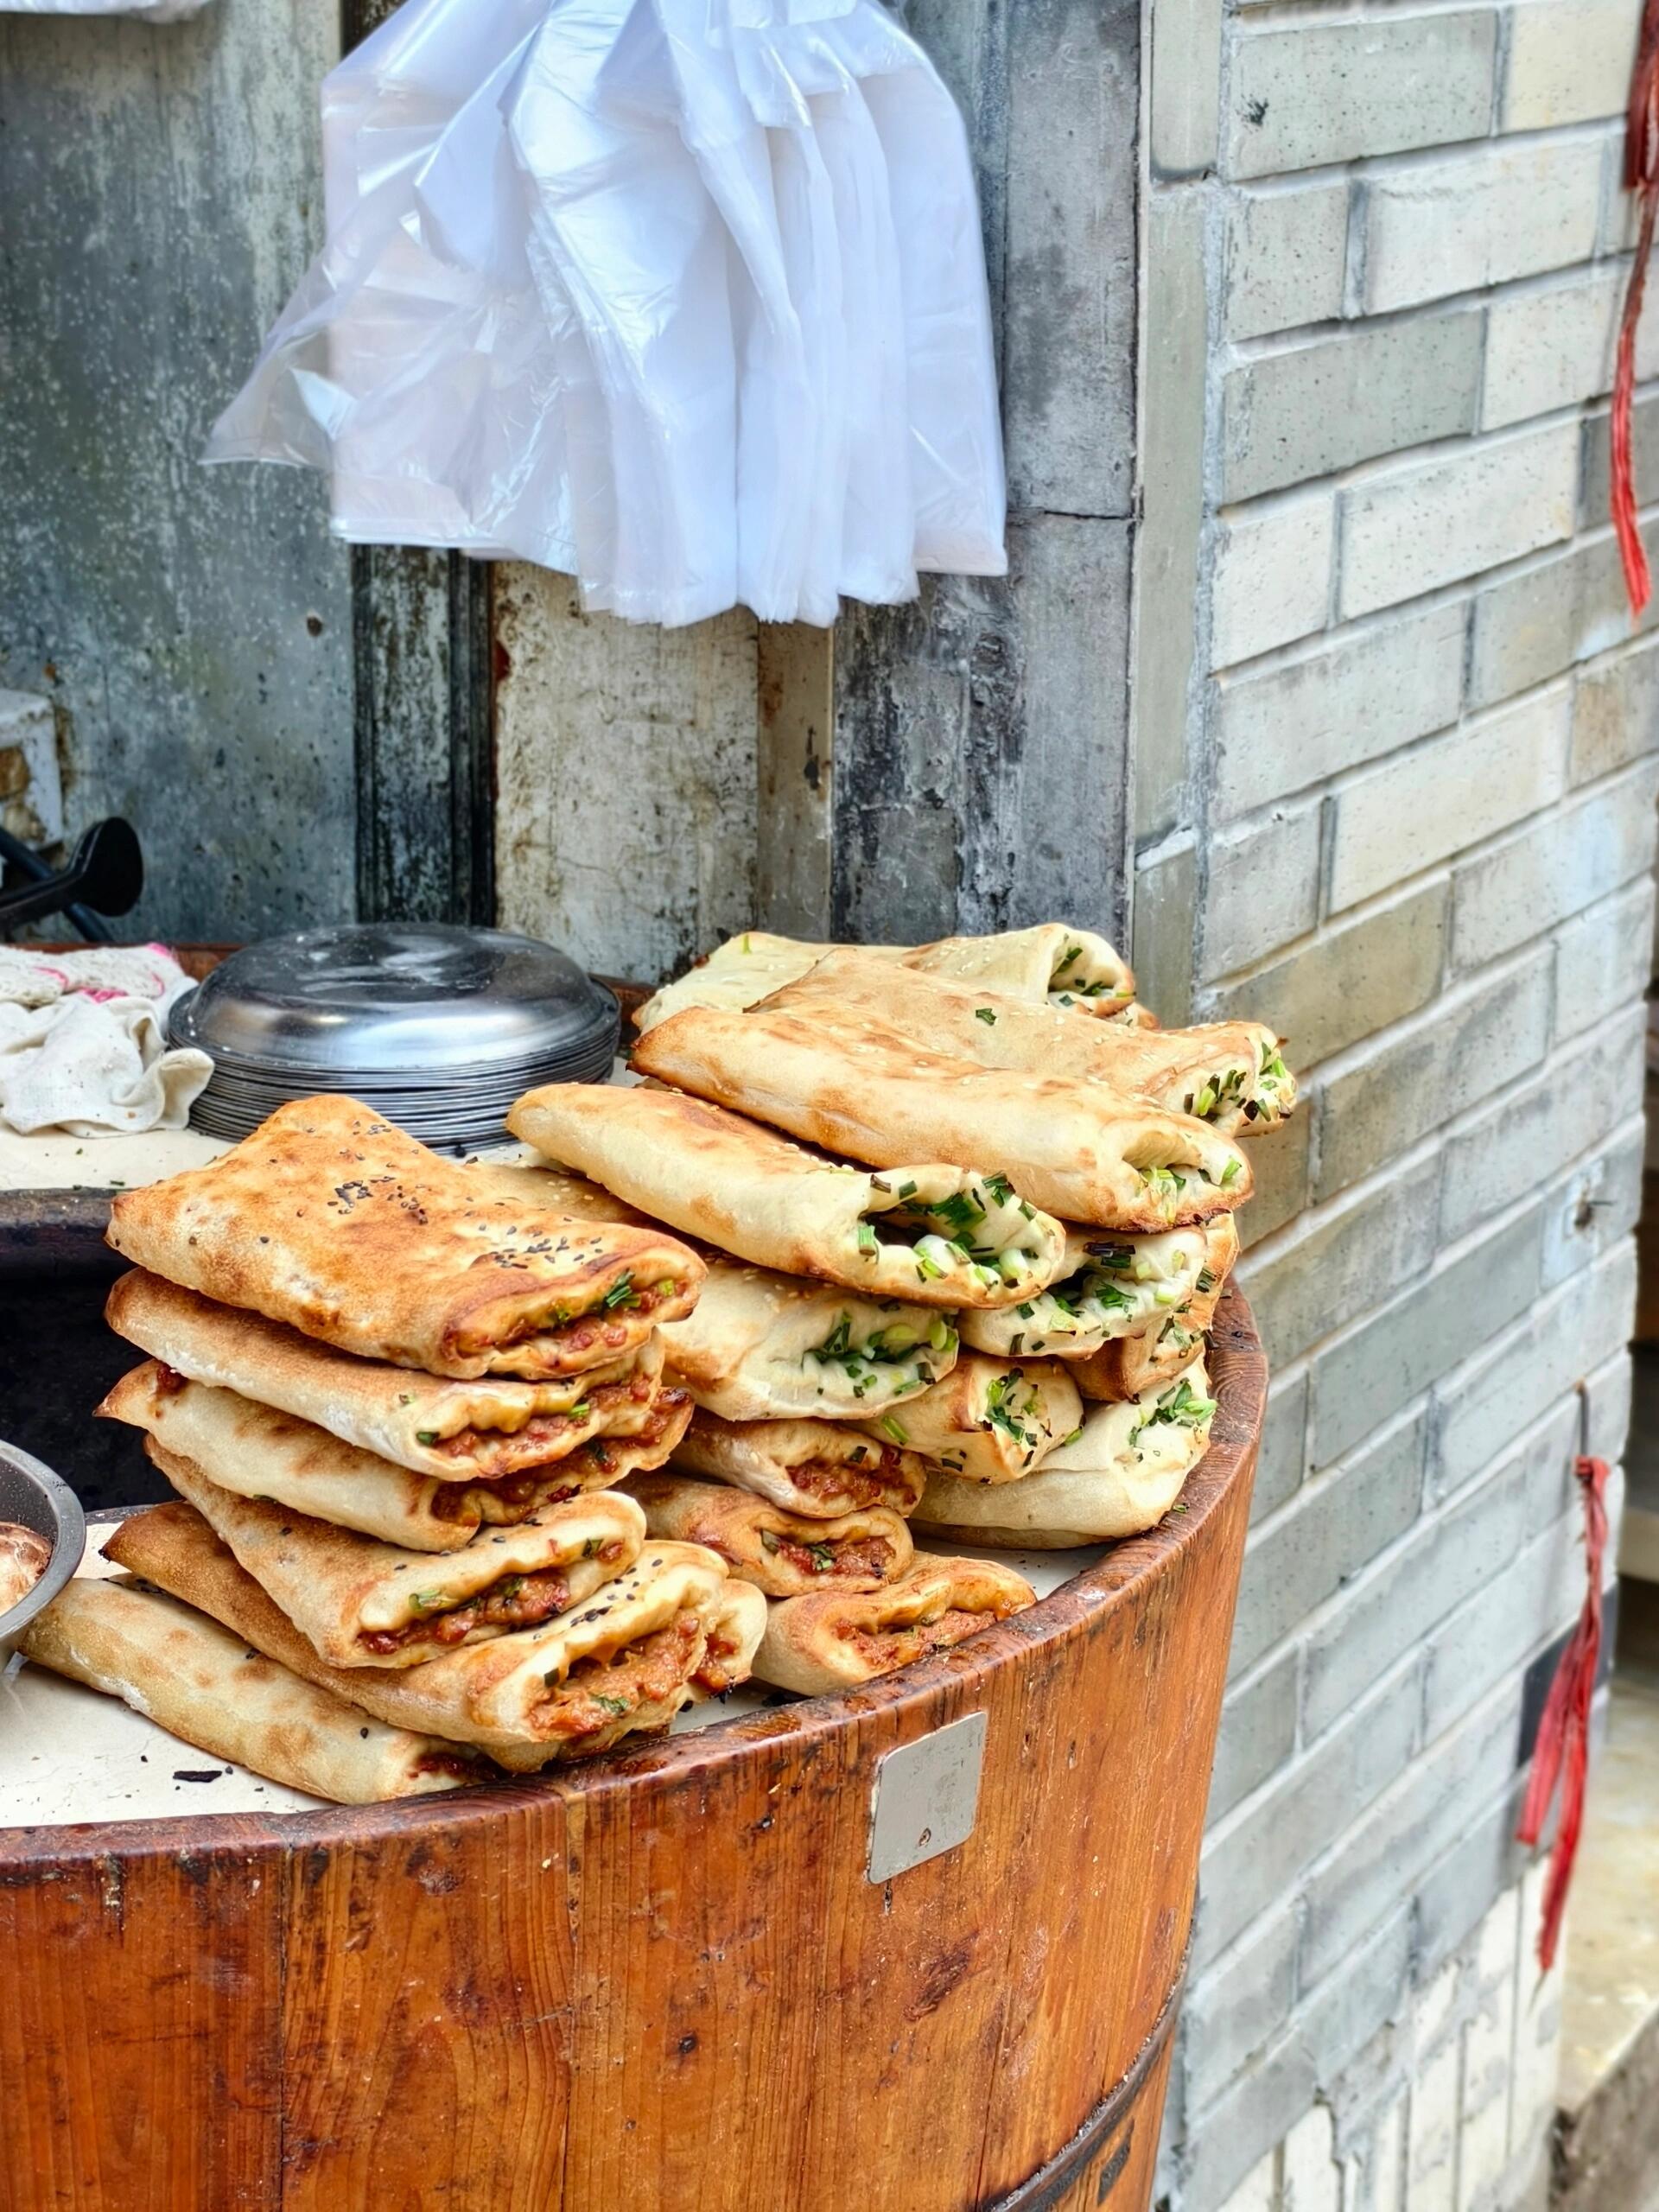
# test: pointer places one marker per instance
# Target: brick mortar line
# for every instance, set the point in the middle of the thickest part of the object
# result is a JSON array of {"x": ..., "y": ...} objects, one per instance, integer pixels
[
  {"x": 1396, "y": 893},
  {"x": 1539, "y": 283}
]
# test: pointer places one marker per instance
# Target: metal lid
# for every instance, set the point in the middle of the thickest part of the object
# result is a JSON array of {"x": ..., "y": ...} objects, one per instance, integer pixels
[{"x": 424, "y": 1003}]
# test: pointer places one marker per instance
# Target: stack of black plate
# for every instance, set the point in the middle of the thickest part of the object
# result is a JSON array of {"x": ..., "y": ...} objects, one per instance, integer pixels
[{"x": 438, "y": 1028}]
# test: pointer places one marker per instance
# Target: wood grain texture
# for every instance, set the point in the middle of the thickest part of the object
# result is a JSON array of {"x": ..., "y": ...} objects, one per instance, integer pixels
[{"x": 663, "y": 1982}]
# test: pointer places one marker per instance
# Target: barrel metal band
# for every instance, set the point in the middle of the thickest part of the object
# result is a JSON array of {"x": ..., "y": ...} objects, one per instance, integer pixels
[{"x": 1049, "y": 2184}]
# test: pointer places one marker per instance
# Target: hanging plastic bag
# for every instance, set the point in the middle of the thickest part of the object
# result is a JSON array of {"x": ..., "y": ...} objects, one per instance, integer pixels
[
  {"x": 684, "y": 297},
  {"x": 152, "y": 11}
]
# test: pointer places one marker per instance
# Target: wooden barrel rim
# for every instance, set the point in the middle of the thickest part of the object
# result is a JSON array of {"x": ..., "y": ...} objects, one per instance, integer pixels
[{"x": 1238, "y": 1382}]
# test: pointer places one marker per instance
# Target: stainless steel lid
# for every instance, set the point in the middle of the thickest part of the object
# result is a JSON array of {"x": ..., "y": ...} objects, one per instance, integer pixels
[
  {"x": 421, "y": 1002},
  {"x": 437, "y": 1026}
]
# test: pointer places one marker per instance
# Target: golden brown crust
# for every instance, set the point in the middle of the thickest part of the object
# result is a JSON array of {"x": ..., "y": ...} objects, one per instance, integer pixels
[
  {"x": 513, "y": 1697},
  {"x": 364, "y": 1602},
  {"x": 1225, "y": 1066},
  {"x": 782, "y": 1554},
  {"x": 201, "y": 1683},
  {"x": 329, "y": 1218},
  {"x": 831, "y": 1640},
  {"x": 1078, "y": 1150},
  {"x": 818, "y": 1469},
  {"x": 928, "y": 1232},
  {"x": 485, "y": 1428}
]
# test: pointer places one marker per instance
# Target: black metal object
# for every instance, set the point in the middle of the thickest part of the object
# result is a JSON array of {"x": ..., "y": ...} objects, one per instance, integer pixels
[
  {"x": 28, "y": 862},
  {"x": 106, "y": 875}
]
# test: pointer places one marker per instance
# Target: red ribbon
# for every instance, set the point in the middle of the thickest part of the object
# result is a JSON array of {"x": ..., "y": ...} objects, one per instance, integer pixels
[
  {"x": 1562, "y": 1751},
  {"x": 1642, "y": 177}
]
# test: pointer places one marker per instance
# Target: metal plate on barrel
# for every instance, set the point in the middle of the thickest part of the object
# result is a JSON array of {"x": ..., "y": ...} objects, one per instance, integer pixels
[{"x": 925, "y": 1797}]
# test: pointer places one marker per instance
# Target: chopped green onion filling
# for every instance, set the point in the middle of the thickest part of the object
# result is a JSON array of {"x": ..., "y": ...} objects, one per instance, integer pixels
[
  {"x": 987, "y": 1014},
  {"x": 895, "y": 1430}
]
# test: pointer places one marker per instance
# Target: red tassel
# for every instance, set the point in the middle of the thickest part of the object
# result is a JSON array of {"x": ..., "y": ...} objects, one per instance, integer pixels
[
  {"x": 1563, "y": 1748},
  {"x": 1642, "y": 177}
]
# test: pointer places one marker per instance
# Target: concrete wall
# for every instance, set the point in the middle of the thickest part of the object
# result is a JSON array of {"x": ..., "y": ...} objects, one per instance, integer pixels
[
  {"x": 192, "y": 627},
  {"x": 1395, "y": 793}
]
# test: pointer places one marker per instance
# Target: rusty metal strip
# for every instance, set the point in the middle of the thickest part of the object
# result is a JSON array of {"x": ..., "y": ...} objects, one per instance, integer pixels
[{"x": 1056, "y": 2176}]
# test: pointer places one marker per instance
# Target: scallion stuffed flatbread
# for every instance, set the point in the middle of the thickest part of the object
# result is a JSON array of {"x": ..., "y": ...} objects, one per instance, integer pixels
[
  {"x": 782, "y": 1554},
  {"x": 1118, "y": 1478},
  {"x": 362, "y": 1603},
  {"x": 935, "y": 1234},
  {"x": 992, "y": 1420},
  {"x": 1075, "y": 1149},
  {"x": 1051, "y": 963},
  {"x": 762, "y": 1347},
  {"x": 671, "y": 1627},
  {"x": 201, "y": 1683},
  {"x": 1230, "y": 1074},
  {"x": 260, "y": 1452},
  {"x": 332, "y": 1220},
  {"x": 821, "y": 1469},
  {"x": 833, "y": 1639},
  {"x": 1114, "y": 1287},
  {"x": 436, "y": 1426}
]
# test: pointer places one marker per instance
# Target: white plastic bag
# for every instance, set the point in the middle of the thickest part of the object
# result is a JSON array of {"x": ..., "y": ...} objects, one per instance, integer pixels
[
  {"x": 684, "y": 297},
  {"x": 152, "y": 11}
]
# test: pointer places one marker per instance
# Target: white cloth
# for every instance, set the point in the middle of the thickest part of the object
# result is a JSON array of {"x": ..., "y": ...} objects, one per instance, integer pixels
[{"x": 83, "y": 1042}]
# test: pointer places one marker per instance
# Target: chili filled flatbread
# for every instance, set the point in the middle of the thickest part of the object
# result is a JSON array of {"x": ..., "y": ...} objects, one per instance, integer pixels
[
  {"x": 833, "y": 1639},
  {"x": 762, "y": 1347},
  {"x": 201, "y": 1683},
  {"x": 991, "y": 1420},
  {"x": 433, "y": 1425},
  {"x": 260, "y": 1452},
  {"x": 935, "y": 1234},
  {"x": 329, "y": 1218},
  {"x": 671, "y": 1628},
  {"x": 782, "y": 1554},
  {"x": 1075, "y": 1149},
  {"x": 1117, "y": 1479},
  {"x": 365, "y": 1604},
  {"x": 1230, "y": 1074},
  {"x": 820, "y": 1469}
]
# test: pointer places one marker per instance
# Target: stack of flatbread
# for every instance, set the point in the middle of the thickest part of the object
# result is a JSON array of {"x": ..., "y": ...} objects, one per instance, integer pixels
[
  {"x": 395, "y": 1406},
  {"x": 966, "y": 1213}
]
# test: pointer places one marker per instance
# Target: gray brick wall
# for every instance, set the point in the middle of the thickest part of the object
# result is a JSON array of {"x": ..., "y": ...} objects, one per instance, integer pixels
[{"x": 1407, "y": 814}]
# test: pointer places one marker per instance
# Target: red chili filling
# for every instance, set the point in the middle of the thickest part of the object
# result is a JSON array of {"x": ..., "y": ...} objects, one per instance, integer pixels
[
  {"x": 485, "y": 1450},
  {"x": 868, "y": 1482},
  {"x": 516, "y": 1601},
  {"x": 847, "y": 1556},
  {"x": 716, "y": 1675},
  {"x": 883, "y": 1648},
  {"x": 598, "y": 1693},
  {"x": 452, "y": 1762}
]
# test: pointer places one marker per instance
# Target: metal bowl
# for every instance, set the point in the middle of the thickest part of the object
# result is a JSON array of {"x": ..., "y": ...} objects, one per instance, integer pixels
[{"x": 33, "y": 1496}]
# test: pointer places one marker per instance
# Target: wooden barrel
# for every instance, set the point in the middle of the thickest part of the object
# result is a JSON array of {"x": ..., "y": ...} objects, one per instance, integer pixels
[{"x": 672, "y": 1980}]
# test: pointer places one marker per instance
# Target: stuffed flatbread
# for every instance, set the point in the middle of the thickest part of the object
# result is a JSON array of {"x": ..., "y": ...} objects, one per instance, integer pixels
[
  {"x": 934, "y": 1235},
  {"x": 331, "y": 1219}
]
